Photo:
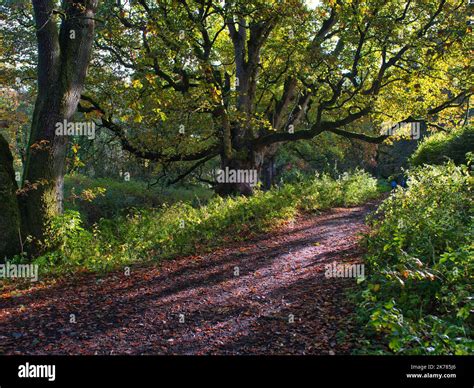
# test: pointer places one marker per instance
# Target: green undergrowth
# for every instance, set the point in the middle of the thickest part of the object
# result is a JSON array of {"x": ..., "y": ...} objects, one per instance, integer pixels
[
  {"x": 181, "y": 228},
  {"x": 418, "y": 296}
]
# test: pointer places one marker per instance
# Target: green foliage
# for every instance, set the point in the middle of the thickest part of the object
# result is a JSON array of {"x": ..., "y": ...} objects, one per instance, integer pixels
[
  {"x": 327, "y": 153},
  {"x": 358, "y": 187},
  {"x": 108, "y": 198},
  {"x": 420, "y": 260},
  {"x": 180, "y": 228},
  {"x": 65, "y": 237},
  {"x": 348, "y": 190},
  {"x": 441, "y": 146}
]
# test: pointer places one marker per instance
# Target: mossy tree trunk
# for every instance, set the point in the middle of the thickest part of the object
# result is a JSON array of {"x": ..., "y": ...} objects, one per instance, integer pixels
[
  {"x": 10, "y": 214},
  {"x": 63, "y": 58},
  {"x": 235, "y": 165}
]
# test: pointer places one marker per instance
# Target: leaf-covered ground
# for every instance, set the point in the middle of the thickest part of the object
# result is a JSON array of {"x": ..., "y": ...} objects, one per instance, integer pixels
[{"x": 265, "y": 295}]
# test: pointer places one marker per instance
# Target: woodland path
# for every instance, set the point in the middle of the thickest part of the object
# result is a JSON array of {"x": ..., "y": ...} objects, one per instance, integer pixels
[{"x": 281, "y": 275}]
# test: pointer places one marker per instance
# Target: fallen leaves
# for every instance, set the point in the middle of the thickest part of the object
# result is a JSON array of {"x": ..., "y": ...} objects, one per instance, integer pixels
[{"x": 223, "y": 313}]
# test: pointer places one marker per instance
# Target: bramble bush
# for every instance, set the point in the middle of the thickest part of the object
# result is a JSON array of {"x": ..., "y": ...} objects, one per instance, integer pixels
[
  {"x": 180, "y": 228},
  {"x": 438, "y": 148},
  {"x": 420, "y": 264}
]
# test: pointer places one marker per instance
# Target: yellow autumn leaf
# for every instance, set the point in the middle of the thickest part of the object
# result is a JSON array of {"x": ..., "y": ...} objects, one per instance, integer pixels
[
  {"x": 137, "y": 84},
  {"x": 138, "y": 118}
]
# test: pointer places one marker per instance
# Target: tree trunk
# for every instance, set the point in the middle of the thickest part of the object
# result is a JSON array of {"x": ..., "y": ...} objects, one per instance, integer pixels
[
  {"x": 236, "y": 165},
  {"x": 63, "y": 59},
  {"x": 247, "y": 39},
  {"x": 268, "y": 173},
  {"x": 259, "y": 164},
  {"x": 10, "y": 213}
]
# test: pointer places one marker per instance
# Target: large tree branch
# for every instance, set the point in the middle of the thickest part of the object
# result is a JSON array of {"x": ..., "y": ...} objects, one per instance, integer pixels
[
  {"x": 143, "y": 153},
  {"x": 453, "y": 102},
  {"x": 358, "y": 136},
  {"x": 192, "y": 168}
]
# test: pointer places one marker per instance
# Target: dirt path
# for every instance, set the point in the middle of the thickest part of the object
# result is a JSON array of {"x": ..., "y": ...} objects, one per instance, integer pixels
[{"x": 279, "y": 302}]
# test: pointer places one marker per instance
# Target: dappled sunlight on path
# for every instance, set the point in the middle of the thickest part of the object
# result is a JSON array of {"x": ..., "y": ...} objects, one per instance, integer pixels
[{"x": 268, "y": 295}]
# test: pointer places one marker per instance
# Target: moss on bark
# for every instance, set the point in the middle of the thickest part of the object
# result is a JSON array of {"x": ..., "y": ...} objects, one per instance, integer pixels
[{"x": 9, "y": 210}]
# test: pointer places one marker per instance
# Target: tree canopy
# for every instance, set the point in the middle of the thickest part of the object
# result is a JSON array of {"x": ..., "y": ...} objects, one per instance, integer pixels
[{"x": 189, "y": 83}]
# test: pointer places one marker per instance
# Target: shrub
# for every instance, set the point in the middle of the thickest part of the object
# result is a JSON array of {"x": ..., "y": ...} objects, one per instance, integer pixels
[
  {"x": 358, "y": 187},
  {"x": 420, "y": 258},
  {"x": 438, "y": 148}
]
